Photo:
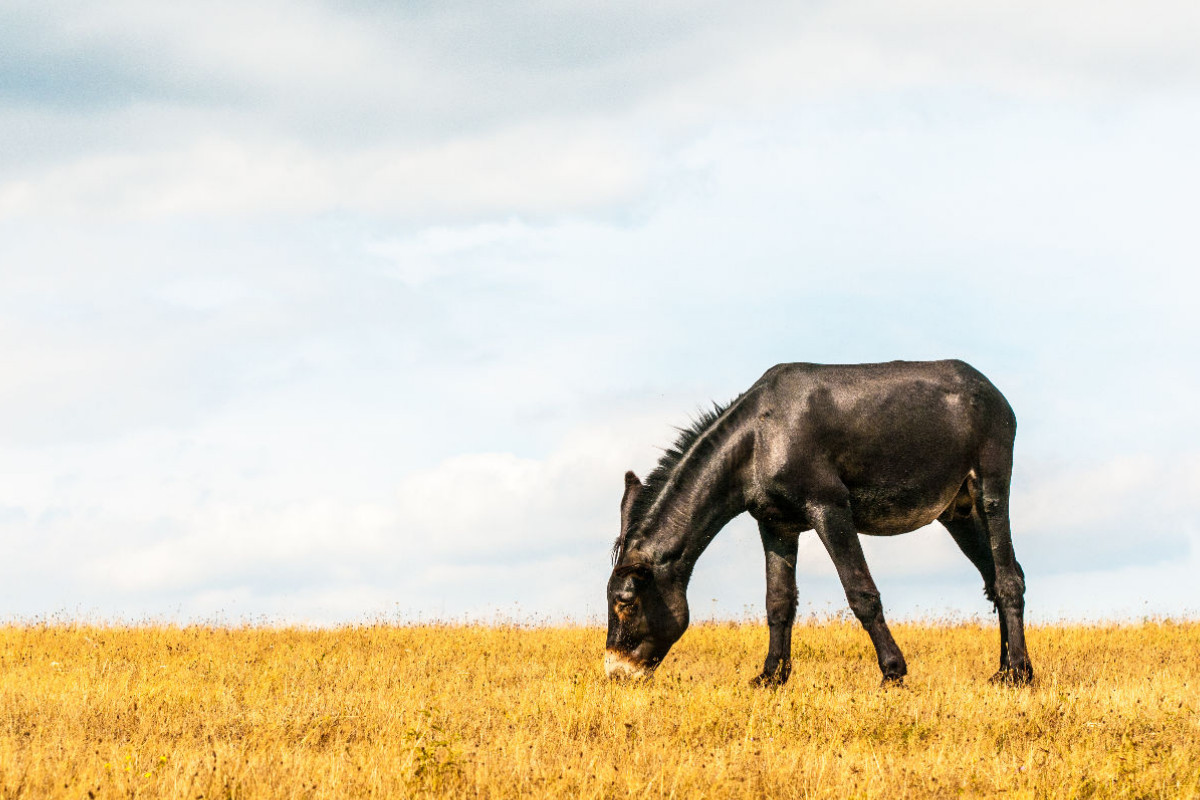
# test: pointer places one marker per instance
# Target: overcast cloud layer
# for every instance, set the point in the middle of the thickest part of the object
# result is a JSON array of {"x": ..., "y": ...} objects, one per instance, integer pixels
[{"x": 329, "y": 311}]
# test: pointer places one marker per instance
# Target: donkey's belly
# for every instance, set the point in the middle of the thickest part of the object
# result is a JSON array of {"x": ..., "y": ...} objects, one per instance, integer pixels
[{"x": 889, "y": 511}]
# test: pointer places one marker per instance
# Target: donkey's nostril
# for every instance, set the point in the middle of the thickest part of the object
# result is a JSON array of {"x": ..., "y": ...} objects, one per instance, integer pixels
[{"x": 618, "y": 666}]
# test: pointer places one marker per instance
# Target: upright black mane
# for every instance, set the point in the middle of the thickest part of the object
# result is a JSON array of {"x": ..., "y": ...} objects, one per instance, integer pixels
[{"x": 667, "y": 464}]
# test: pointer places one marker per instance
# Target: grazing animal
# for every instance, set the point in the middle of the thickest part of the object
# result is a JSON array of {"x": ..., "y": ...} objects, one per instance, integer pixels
[{"x": 879, "y": 449}]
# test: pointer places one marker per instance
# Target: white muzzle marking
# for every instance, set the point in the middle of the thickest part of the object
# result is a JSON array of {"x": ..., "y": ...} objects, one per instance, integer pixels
[{"x": 618, "y": 665}]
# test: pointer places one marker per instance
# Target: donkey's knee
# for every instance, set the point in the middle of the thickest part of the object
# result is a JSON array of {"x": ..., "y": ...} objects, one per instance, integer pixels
[
  {"x": 865, "y": 605},
  {"x": 993, "y": 506},
  {"x": 1010, "y": 591},
  {"x": 781, "y": 608}
]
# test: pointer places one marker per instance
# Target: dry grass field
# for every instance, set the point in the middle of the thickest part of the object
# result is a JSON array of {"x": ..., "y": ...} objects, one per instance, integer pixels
[{"x": 384, "y": 711}]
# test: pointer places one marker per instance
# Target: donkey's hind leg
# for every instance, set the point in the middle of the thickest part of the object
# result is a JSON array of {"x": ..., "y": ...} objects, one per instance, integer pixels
[
  {"x": 995, "y": 471},
  {"x": 971, "y": 537}
]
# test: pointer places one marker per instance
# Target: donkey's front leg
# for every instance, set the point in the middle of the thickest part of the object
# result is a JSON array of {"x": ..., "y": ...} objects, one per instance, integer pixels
[
  {"x": 779, "y": 544},
  {"x": 835, "y": 526}
]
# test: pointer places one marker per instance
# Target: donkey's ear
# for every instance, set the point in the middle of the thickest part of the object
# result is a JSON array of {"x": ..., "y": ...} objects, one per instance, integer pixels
[{"x": 633, "y": 487}]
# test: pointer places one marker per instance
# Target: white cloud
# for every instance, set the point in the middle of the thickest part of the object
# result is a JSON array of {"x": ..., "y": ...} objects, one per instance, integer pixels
[
  {"x": 1163, "y": 589},
  {"x": 155, "y": 524},
  {"x": 433, "y": 115},
  {"x": 1069, "y": 50},
  {"x": 434, "y": 251},
  {"x": 1093, "y": 494},
  {"x": 526, "y": 170}
]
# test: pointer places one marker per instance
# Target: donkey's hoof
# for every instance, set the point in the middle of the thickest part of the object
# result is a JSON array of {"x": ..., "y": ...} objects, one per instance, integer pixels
[
  {"x": 1014, "y": 676},
  {"x": 768, "y": 680},
  {"x": 892, "y": 682}
]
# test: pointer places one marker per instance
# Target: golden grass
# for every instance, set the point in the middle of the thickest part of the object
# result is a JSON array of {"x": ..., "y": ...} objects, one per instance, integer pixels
[{"x": 160, "y": 711}]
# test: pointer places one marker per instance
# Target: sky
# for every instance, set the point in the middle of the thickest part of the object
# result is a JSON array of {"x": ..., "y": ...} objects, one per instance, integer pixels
[{"x": 331, "y": 312}]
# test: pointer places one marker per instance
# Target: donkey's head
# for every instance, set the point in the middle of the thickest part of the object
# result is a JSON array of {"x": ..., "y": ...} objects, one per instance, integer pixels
[{"x": 647, "y": 603}]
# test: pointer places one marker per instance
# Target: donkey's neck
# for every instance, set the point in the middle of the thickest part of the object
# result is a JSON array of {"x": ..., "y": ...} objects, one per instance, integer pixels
[{"x": 704, "y": 492}]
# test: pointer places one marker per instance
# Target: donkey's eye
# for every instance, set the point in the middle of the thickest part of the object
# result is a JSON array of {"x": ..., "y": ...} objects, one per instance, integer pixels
[{"x": 624, "y": 607}]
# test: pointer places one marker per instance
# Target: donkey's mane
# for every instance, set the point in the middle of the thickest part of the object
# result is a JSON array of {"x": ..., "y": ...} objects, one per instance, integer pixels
[{"x": 661, "y": 475}]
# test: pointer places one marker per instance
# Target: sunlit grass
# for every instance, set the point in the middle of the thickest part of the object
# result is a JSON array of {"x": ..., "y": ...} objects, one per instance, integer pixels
[{"x": 160, "y": 711}]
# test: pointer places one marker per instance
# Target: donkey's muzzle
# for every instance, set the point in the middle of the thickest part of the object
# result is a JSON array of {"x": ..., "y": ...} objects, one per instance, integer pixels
[{"x": 620, "y": 666}]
